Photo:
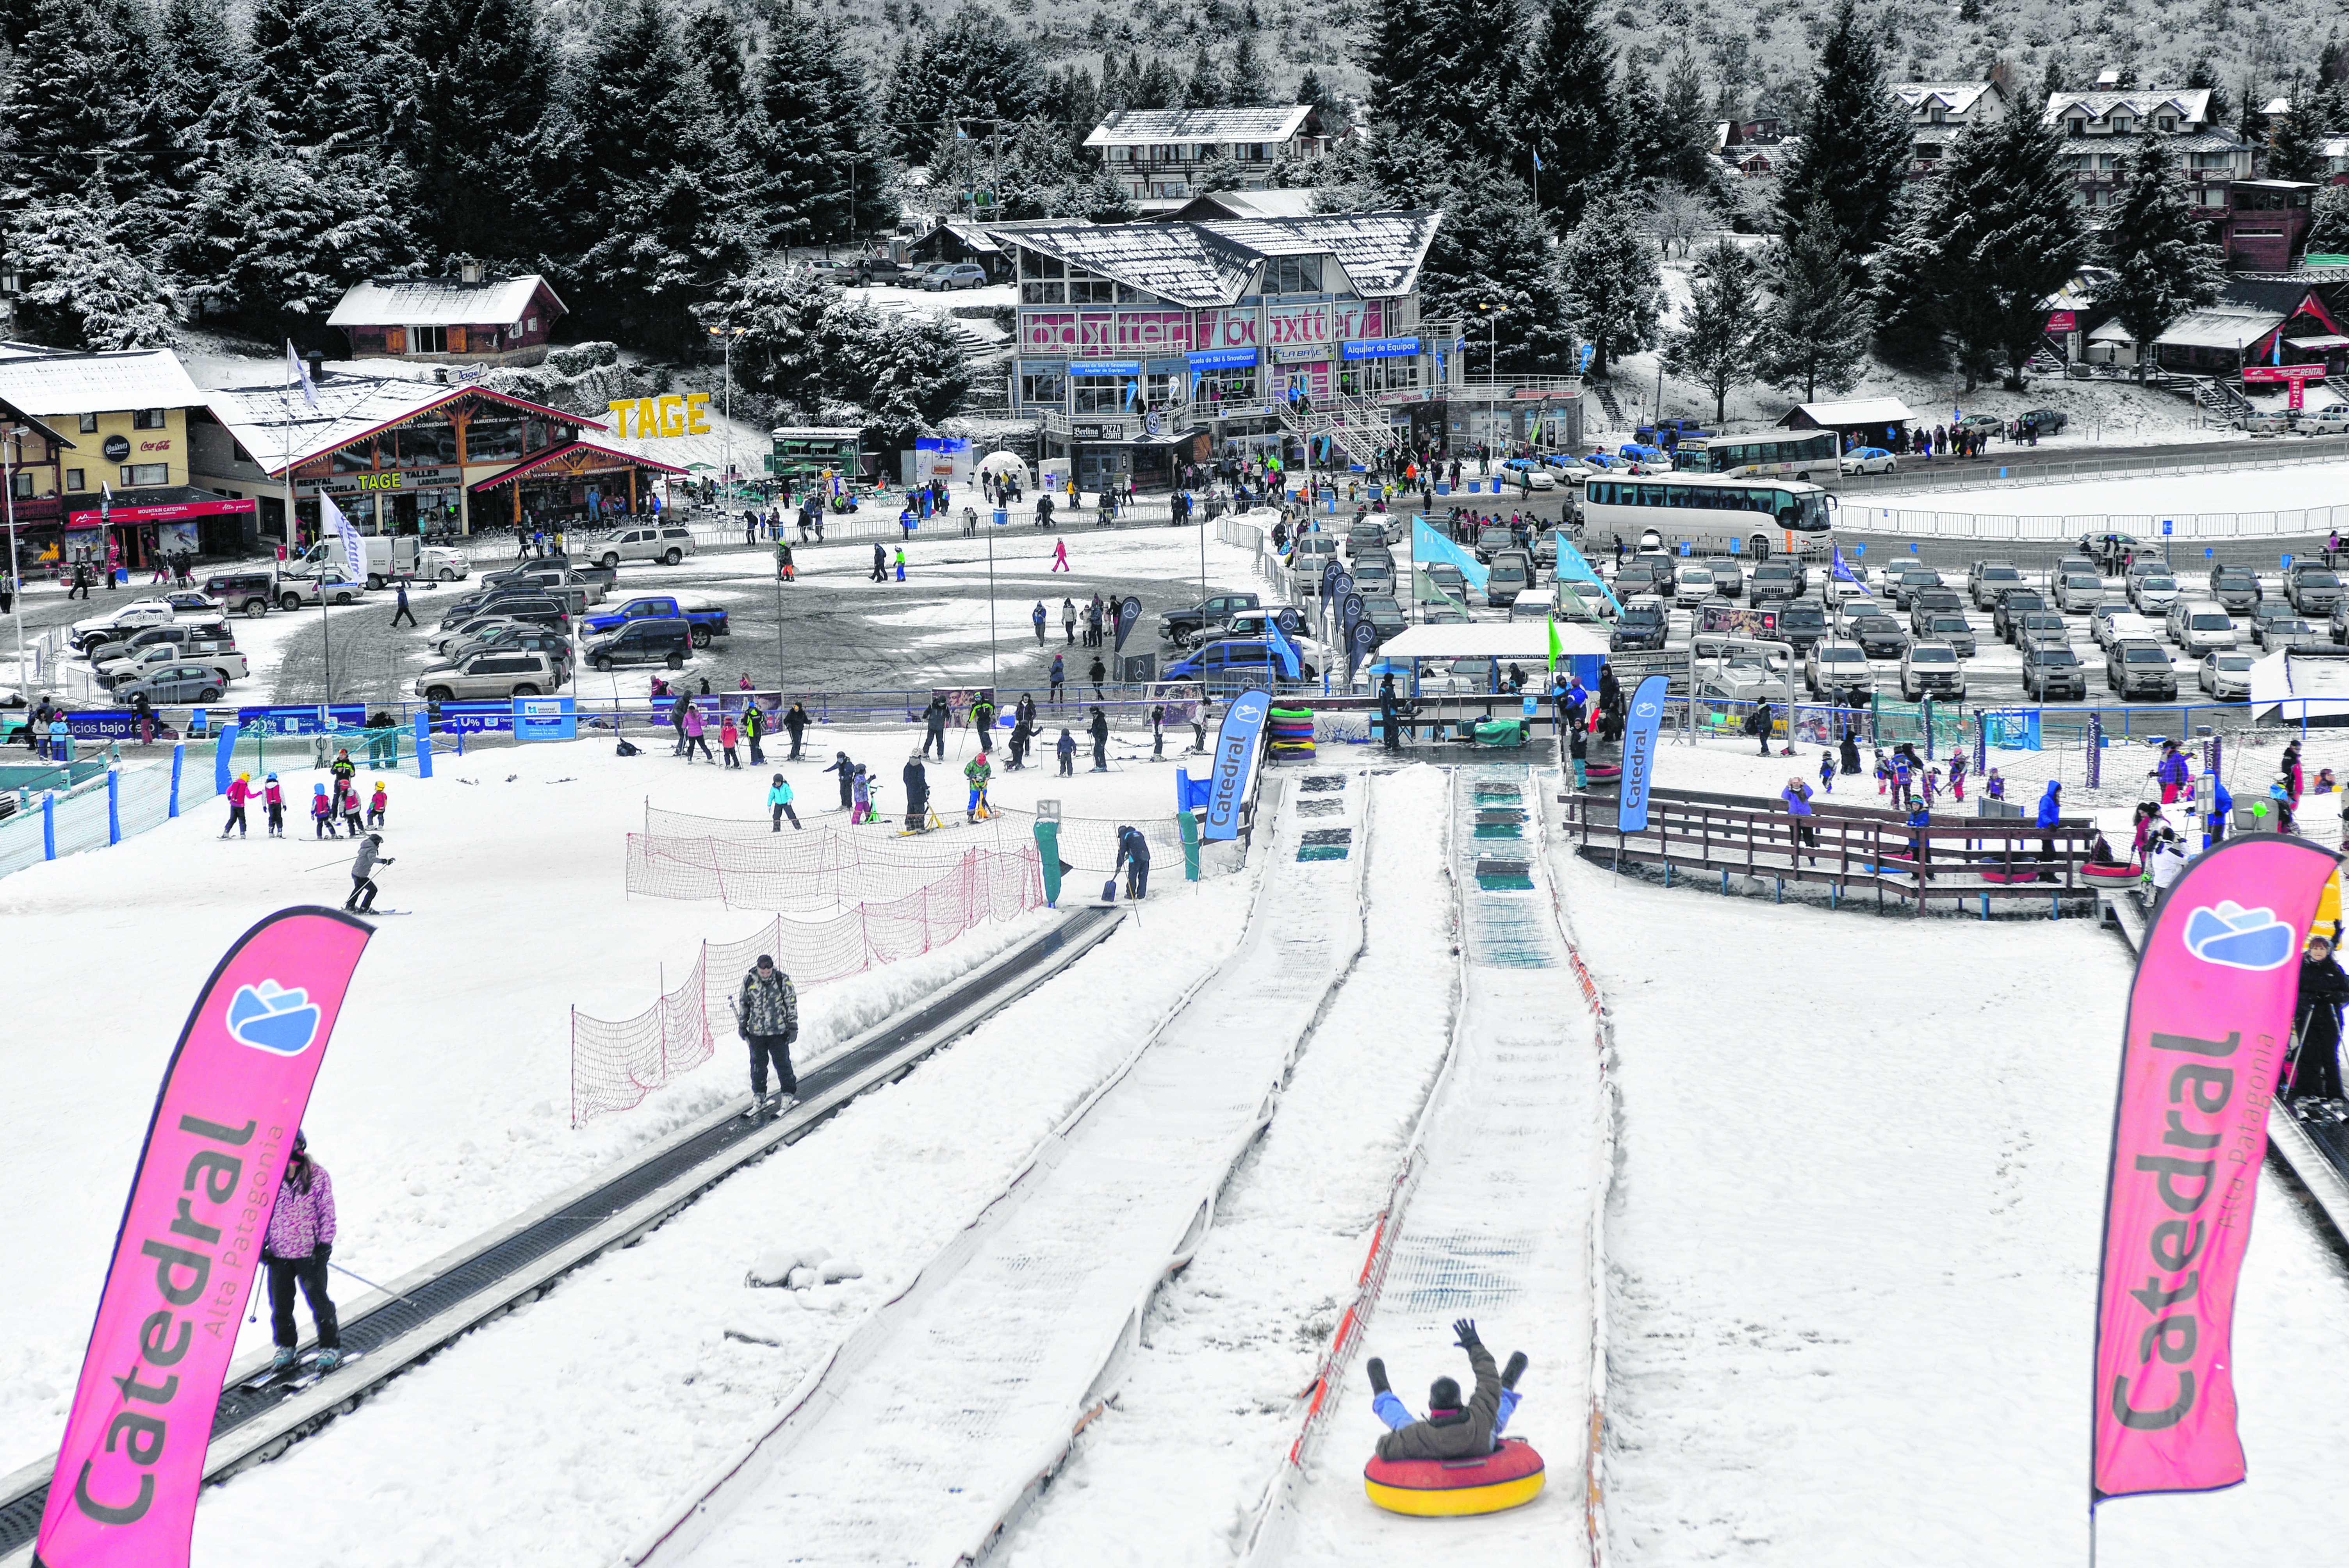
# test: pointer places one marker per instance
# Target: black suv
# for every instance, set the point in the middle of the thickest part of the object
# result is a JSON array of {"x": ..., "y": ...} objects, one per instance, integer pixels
[
  {"x": 1181, "y": 627},
  {"x": 2052, "y": 670},
  {"x": 251, "y": 592},
  {"x": 665, "y": 640},
  {"x": 2134, "y": 667},
  {"x": 1926, "y": 603},
  {"x": 1641, "y": 628},
  {"x": 1774, "y": 580},
  {"x": 1802, "y": 623},
  {"x": 2011, "y": 606}
]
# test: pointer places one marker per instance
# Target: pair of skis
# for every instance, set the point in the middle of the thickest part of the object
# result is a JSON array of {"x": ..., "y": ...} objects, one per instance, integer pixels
[{"x": 295, "y": 1375}]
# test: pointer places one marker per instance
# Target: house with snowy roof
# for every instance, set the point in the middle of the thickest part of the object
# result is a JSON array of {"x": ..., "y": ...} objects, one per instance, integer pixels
[
  {"x": 2099, "y": 129},
  {"x": 469, "y": 319},
  {"x": 1939, "y": 112},
  {"x": 1157, "y": 154}
]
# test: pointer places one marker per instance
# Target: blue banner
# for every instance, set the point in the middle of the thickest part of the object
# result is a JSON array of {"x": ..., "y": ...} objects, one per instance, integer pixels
[
  {"x": 1234, "y": 761},
  {"x": 476, "y": 717},
  {"x": 1381, "y": 347},
  {"x": 545, "y": 718},
  {"x": 1222, "y": 358},
  {"x": 1639, "y": 753},
  {"x": 1104, "y": 368},
  {"x": 302, "y": 720}
]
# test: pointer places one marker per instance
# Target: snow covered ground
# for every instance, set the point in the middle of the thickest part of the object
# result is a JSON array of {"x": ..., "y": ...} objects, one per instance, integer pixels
[
  {"x": 2287, "y": 488},
  {"x": 1855, "y": 1258}
]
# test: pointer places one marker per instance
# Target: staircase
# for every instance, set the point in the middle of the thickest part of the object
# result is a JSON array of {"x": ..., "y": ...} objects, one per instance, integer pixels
[
  {"x": 1606, "y": 396},
  {"x": 1359, "y": 428},
  {"x": 2213, "y": 395}
]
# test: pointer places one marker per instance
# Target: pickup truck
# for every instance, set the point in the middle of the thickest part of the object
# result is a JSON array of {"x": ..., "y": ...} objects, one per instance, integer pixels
[
  {"x": 1181, "y": 627},
  {"x": 224, "y": 658},
  {"x": 704, "y": 621},
  {"x": 292, "y": 592},
  {"x": 88, "y": 635}
]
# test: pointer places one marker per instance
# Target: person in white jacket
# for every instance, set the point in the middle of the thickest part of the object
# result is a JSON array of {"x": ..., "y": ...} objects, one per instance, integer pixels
[{"x": 2164, "y": 861}]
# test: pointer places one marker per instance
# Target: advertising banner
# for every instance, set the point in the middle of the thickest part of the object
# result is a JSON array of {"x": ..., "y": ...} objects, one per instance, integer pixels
[
  {"x": 2210, "y": 1021},
  {"x": 1235, "y": 758},
  {"x": 308, "y": 720},
  {"x": 1129, "y": 616},
  {"x": 545, "y": 718},
  {"x": 124, "y": 1491},
  {"x": 1639, "y": 753}
]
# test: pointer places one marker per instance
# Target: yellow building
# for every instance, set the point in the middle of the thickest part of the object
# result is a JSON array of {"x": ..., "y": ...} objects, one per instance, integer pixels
[{"x": 122, "y": 483}]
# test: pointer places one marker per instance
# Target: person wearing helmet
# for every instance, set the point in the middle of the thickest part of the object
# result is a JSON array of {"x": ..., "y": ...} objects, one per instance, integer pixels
[
  {"x": 273, "y": 799},
  {"x": 1451, "y": 1431},
  {"x": 240, "y": 790},
  {"x": 322, "y": 813},
  {"x": 375, "y": 805},
  {"x": 363, "y": 865},
  {"x": 301, "y": 1239},
  {"x": 349, "y": 806}
]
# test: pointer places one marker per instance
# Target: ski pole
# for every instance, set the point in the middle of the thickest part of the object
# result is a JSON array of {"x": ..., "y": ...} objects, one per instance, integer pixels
[{"x": 400, "y": 1295}]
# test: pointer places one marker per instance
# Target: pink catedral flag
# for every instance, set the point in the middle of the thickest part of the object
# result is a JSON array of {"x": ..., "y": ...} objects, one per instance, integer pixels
[
  {"x": 125, "y": 1488},
  {"x": 2210, "y": 1022}
]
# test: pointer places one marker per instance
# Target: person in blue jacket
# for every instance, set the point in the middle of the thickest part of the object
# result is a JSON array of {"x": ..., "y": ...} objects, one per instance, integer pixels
[
  {"x": 2051, "y": 810},
  {"x": 1920, "y": 819},
  {"x": 2221, "y": 803}
]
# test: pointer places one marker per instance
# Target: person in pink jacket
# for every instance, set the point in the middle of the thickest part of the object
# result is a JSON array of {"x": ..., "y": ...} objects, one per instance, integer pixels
[
  {"x": 301, "y": 1239},
  {"x": 694, "y": 740},
  {"x": 240, "y": 790}
]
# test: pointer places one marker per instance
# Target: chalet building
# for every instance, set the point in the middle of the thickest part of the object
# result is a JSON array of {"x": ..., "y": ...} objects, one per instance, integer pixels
[
  {"x": 1939, "y": 112},
  {"x": 1146, "y": 348},
  {"x": 464, "y": 320},
  {"x": 1156, "y": 154},
  {"x": 2099, "y": 128}
]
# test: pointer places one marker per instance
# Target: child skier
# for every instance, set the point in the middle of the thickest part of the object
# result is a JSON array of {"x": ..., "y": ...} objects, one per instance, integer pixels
[
  {"x": 728, "y": 739},
  {"x": 349, "y": 806},
  {"x": 274, "y": 797},
  {"x": 860, "y": 795},
  {"x": 778, "y": 805},
  {"x": 1958, "y": 777},
  {"x": 376, "y": 804},
  {"x": 1826, "y": 772},
  {"x": 240, "y": 790},
  {"x": 1932, "y": 787},
  {"x": 977, "y": 772},
  {"x": 1994, "y": 787},
  {"x": 1883, "y": 774},
  {"x": 1067, "y": 753},
  {"x": 322, "y": 813}
]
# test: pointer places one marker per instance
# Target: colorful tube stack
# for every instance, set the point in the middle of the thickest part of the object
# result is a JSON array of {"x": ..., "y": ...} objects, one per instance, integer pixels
[{"x": 1292, "y": 733}]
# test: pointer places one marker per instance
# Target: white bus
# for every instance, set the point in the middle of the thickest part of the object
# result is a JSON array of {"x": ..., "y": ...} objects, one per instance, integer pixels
[
  {"x": 1718, "y": 516},
  {"x": 1807, "y": 454}
]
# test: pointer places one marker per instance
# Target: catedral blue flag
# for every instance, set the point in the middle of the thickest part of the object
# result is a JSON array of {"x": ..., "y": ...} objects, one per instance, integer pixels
[
  {"x": 1841, "y": 569},
  {"x": 1639, "y": 753},
  {"x": 1235, "y": 761}
]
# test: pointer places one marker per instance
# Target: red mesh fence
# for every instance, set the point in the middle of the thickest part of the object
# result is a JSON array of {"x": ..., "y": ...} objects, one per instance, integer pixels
[
  {"x": 616, "y": 1063},
  {"x": 741, "y": 863}
]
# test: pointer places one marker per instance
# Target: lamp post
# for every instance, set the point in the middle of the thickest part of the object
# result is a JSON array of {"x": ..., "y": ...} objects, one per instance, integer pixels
[
  {"x": 726, "y": 336},
  {"x": 1493, "y": 313}
]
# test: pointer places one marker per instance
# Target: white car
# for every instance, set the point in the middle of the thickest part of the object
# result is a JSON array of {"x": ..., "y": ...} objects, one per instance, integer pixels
[
  {"x": 2079, "y": 591},
  {"x": 138, "y": 613},
  {"x": 2225, "y": 675},
  {"x": 1693, "y": 585},
  {"x": 2121, "y": 625},
  {"x": 224, "y": 658},
  {"x": 2332, "y": 421},
  {"x": 1527, "y": 474},
  {"x": 1870, "y": 460},
  {"x": 292, "y": 592}
]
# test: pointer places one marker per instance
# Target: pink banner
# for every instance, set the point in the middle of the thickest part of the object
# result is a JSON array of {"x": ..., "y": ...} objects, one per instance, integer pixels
[
  {"x": 133, "y": 1457},
  {"x": 2210, "y": 1022}
]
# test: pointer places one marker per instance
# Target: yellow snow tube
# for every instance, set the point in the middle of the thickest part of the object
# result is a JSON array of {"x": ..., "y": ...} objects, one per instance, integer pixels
[{"x": 1451, "y": 1489}]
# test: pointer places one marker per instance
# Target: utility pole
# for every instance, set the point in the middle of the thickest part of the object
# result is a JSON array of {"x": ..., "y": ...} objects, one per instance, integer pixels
[{"x": 726, "y": 336}]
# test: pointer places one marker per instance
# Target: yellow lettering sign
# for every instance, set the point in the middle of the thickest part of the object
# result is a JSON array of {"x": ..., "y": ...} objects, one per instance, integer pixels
[
  {"x": 697, "y": 413},
  {"x": 648, "y": 419},
  {"x": 672, "y": 414},
  {"x": 618, "y": 408}
]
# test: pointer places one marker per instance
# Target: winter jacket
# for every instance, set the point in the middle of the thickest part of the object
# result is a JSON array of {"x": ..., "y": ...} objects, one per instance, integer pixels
[
  {"x": 301, "y": 1223},
  {"x": 917, "y": 787},
  {"x": 795, "y": 720},
  {"x": 780, "y": 795},
  {"x": 933, "y": 717},
  {"x": 2171, "y": 768},
  {"x": 276, "y": 796},
  {"x": 320, "y": 806},
  {"x": 693, "y": 721},
  {"x": 2323, "y": 987},
  {"x": 2165, "y": 862},
  {"x": 2050, "y": 806},
  {"x": 1454, "y": 1435},
  {"x": 1100, "y": 726},
  {"x": 977, "y": 771},
  {"x": 2221, "y": 804},
  {"x": 1131, "y": 846},
  {"x": 1798, "y": 800},
  {"x": 768, "y": 1006},
  {"x": 238, "y": 791},
  {"x": 363, "y": 865}
]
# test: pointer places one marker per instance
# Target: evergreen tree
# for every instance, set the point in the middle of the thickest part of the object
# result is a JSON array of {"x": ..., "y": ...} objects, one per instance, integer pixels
[
  {"x": 199, "y": 62},
  {"x": 714, "y": 39},
  {"x": 1686, "y": 134},
  {"x": 1249, "y": 84},
  {"x": 2295, "y": 147},
  {"x": 1717, "y": 345},
  {"x": 331, "y": 72},
  {"x": 79, "y": 109},
  {"x": 2158, "y": 265},
  {"x": 1311, "y": 90},
  {"x": 1565, "y": 113},
  {"x": 1818, "y": 327},
  {"x": 1204, "y": 88},
  {"x": 274, "y": 238},
  {"x": 807, "y": 139},
  {"x": 913, "y": 370},
  {"x": 781, "y": 351},
  {"x": 2201, "y": 75},
  {"x": 1432, "y": 64},
  {"x": 1159, "y": 87},
  {"x": 85, "y": 285},
  {"x": 1854, "y": 153},
  {"x": 483, "y": 85},
  {"x": 689, "y": 229},
  {"x": 1614, "y": 282},
  {"x": 2328, "y": 229}
]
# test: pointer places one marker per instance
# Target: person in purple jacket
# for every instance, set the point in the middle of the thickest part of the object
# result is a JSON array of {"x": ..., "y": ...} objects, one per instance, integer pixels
[{"x": 301, "y": 1238}]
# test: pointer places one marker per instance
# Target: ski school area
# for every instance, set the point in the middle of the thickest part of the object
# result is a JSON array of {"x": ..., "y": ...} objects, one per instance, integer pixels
[{"x": 1077, "y": 1228}]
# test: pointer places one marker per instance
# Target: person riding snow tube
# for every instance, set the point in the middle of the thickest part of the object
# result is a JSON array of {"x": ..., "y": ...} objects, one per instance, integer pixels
[{"x": 1455, "y": 1461}]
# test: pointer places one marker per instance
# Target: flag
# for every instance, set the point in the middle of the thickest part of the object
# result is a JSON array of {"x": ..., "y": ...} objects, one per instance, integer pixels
[
  {"x": 299, "y": 374},
  {"x": 1639, "y": 754},
  {"x": 1553, "y": 645},
  {"x": 1841, "y": 569},
  {"x": 331, "y": 520},
  {"x": 1538, "y": 163}
]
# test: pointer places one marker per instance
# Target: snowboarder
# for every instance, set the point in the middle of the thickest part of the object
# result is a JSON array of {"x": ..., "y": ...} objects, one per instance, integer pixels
[
  {"x": 847, "y": 771},
  {"x": 240, "y": 790},
  {"x": 778, "y": 805},
  {"x": 977, "y": 772},
  {"x": 274, "y": 800},
  {"x": 933, "y": 727},
  {"x": 1133, "y": 859},
  {"x": 1451, "y": 1431},
  {"x": 767, "y": 1017},
  {"x": 301, "y": 1240},
  {"x": 795, "y": 723},
  {"x": 322, "y": 813},
  {"x": 376, "y": 804},
  {"x": 363, "y": 865},
  {"x": 1099, "y": 731}
]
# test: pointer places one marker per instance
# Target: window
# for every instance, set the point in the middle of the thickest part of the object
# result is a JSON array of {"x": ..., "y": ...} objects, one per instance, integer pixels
[
  {"x": 90, "y": 424},
  {"x": 1100, "y": 394},
  {"x": 428, "y": 340},
  {"x": 74, "y": 480},
  {"x": 147, "y": 419},
  {"x": 1043, "y": 293},
  {"x": 2167, "y": 122},
  {"x": 1234, "y": 386},
  {"x": 358, "y": 457},
  {"x": 1295, "y": 274},
  {"x": 23, "y": 482},
  {"x": 1087, "y": 290},
  {"x": 2075, "y": 127},
  {"x": 2120, "y": 125},
  {"x": 1162, "y": 390},
  {"x": 533, "y": 323},
  {"x": 492, "y": 440},
  {"x": 1044, "y": 386},
  {"x": 135, "y": 474}
]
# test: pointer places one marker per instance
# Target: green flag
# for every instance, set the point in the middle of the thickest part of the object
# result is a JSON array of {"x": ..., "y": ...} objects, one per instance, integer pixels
[{"x": 1553, "y": 645}]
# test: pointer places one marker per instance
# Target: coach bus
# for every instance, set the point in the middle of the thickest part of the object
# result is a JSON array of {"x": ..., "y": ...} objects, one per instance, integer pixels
[
  {"x": 1719, "y": 516},
  {"x": 1802, "y": 454}
]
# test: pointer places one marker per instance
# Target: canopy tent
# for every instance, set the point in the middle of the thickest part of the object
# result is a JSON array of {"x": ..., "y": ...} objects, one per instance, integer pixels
[{"x": 1521, "y": 640}]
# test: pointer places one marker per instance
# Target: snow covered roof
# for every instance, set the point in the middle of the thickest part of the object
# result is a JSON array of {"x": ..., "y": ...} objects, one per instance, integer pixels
[
  {"x": 2190, "y": 104},
  {"x": 1151, "y": 126},
  {"x": 2216, "y": 139},
  {"x": 272, "y": 422},
  {"x": 1226, "y": 204},
  {"x": 1858, "y": 411},
  {"x": 1958, "y": 97},
  {"x": 441, "y": 302},
  {"x": 2111, "y": 332},
  {"x": 2220, "y": 328},
  {"x": 580, "y": 457},
  {"x": 1212, "y": 263},
  {"x": 43, "y": 382}
]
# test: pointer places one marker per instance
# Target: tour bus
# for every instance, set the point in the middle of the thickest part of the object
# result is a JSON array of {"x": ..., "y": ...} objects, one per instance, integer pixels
[
  {"x": 1718, "y": 516},
  {"x": 1807, "y": 454}
]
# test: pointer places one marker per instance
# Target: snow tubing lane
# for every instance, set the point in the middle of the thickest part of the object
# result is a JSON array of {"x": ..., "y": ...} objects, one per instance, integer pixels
[{"x": 1450, "y": 1489}]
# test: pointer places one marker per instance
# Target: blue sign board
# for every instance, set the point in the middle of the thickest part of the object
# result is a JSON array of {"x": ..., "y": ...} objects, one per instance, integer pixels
[
  {"x": 2168, "y": 526},
  {"x": 1234, "y": 761},
  {"x": 545, "y": 718},
  {"x": 1381, "y": 347},
  {"x": 108, "y": 724},
  {"x": 301, "y": 720},
  {"x": 475, "y": 717},
  {"x": 1104, "y": 368},
  {"x": 1221, "y": 358}
]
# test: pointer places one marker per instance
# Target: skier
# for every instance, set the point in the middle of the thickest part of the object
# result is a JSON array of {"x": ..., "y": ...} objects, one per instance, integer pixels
[
  {"x": 1133, "y": 859},
  {"x": 1038, "y": 616},
  {"x": 1451, "y": 1431},
  {"x": 300, "y": 1240},
  {"x": 795, "y": 723},
  {"x": 754, "y": 729},
  {"x": 363, "y": 865},
  {"x": 376, "y": 804},
  {"x": 982, "y": 721},
  {"x": 860, "y": 795},
  {"x": 730, "y": 740},
  {"x": 322, "y": 813},
  {"x": 1958, "y": 775},
  {"x": 933, "y": 727},
  {"x": 676, "y": 712},
  {"x": 2170, "y": 772},
  {"x": 767, "y": 1017},
  {"x": 350, "y": 807},
  {"x": 694, "y": 739},
  {"x": 977, "y": 771},
  {"x": 847, "y": 771},
  {"x": 917, "y": 791},
  {"x": 274, "y": 800},
  {"x": 1099, "y": 731},
  {"x": 2316, "y": 1062},
  {"x": 1068, "y": 753},
  {"x": 240, "y": 790},
  {"x": 778, "y": 805}
]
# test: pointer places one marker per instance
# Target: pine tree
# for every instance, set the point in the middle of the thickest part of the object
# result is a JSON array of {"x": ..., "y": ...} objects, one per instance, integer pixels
[
  {"x": 1311, "y": 90},
  {"x": 1432, "y": 65},
  {"x": 1567, "y": 113},
  {"x": 1498, "y": 274},
  {"x": 807, "y": 137},
  {"x": 1204, "y": 88},
  {"x": 713, "y": 38},
  {"x": 1250, "y": 83},
  {"x": 2295, "y": 148},
  {"x": 1717, "y": 345},
  {"x": 85, "y": 286},
  {"x": 2200, "y": 74},
  {"x": 689, "y": 229},
  {"x": 331, "y": 72},
  {"x": 1159, "y": 87},
  {"x": 1854, "y": 153},
  {"x": 484, "y": 83},
  {"x": 1818, "y": 327},
  {"x": 2328, "y": 229},
  {"x": 77, "y": 107},
  {"x": 276, "y": 237},
  {"x": 1614, "y": 283},
  {"x": 2158, "y": 265},
  {"x": 1686, "y": 134}
]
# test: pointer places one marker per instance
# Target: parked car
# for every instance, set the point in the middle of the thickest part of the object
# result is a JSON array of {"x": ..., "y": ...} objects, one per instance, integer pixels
[
  {"x": 2256, "y": 424},
  {"x": 2280, "y": 632},
  {"x": 2011, "y": 604},
  {"x": 2330, "y": 422},
  {"x": 1949, "y": 626},
  {"x": 1511, "y": 573},
  {"x": 1773, "y": 580},
  {"x": 1640, "y": 627},
  {"x": 2068, "y": 565},
  {"x": 707, "y": 619},
  {"x": 2311, "y": 587},
  {"x": 2037, "y": 626},
  {"x": 1981, "y": 422},
  {"x": 2199, "y": 627},
  {"x": 2225, "y": 676},
  {"x": 1934, "y": 601},
  {"x": 1385, "y": 616},
  {"x": 1879, "y": 636},
  {"x": 2135, "y": 669},
  {"x": 2338, "y": 624},
  {"x": 117, "y": 624},
  {"x": 1526, "y": 473},
  {"x": 1236, "y": 661},
  {"x": 873, "y": 270},
  {"x": 2079, "y": 592},
  {"x": 943, "y": 277},
  {"x": 664, "y": 542},
  {"x": 1378, "y": 576},
  {"x": 1802, "y": 623},
  {"x": 591, "y": 584},
  {"x": 222, "y": 655},
  {"x": 1448, "y": 579},
  {"x": 294, "y": 592},
  {"x": 538, "y": 611},
  {"x": 1931, "y": 668},
  {"x": 1180, "y": 626},
  {"x": 491, "y": 675},
  {"x": 511, "y": 634},
  {"x": 1831, "y": 666},
  {"x": 1903, "y": 583},
  {"x": 1494, "y": 536},
  {"x": 252, "y": 593},
  {"x": 2052, "y": 671},
  {"x": 1639, "y": 577},
  {"x": 1870, "y": 460},
  {"x": 1692, "y": 585},
  {"x": 665, "y": 641},
  {"x": 2047, "y": 421},
  {"x": 2152, "y": 593},
  {"x": 2269, "y": 610},
  {"x": 173, "y": 685},
  {"x": 2236, "y": 587},
  {"x": 1988, "y": 579}
]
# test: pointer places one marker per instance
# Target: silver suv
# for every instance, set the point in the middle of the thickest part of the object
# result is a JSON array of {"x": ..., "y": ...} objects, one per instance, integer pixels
[
  {"x": 1931, "y": 667},
  {"x": 490, "y": 675},
  {"x": 664, "y": 542}
]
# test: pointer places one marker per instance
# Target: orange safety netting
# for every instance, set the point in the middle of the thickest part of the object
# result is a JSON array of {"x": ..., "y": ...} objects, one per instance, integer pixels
[{"x": 616, "y": 1063}]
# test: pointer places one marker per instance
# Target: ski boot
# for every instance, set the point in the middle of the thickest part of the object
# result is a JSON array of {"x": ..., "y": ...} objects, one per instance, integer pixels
[
  {"x": 329, "y": 1360},
  {"x": 280, "y": 1358}
]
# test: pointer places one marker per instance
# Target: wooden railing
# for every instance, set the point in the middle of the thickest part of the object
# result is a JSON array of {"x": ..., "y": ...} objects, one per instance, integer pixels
[{"x": 1851, "y": 848}]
